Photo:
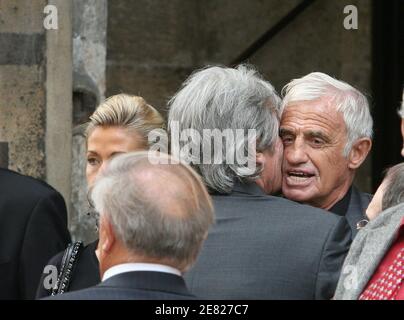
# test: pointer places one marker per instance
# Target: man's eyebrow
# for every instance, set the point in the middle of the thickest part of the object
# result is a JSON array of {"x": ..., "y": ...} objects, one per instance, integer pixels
[
  {"x": 284, "y": 131},
  {"x": 317, "y": 134}
]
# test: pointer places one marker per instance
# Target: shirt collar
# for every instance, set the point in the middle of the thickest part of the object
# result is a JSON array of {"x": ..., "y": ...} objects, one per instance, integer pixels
[{"x": 130, "y": 267}]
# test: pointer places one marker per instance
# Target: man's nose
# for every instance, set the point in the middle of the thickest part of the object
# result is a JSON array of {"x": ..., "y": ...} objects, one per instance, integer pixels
[{"x": 296, "y": 153}]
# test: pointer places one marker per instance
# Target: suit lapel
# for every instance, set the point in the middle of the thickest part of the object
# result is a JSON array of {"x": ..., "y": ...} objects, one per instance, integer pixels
[{"x": 356, "y": 209}]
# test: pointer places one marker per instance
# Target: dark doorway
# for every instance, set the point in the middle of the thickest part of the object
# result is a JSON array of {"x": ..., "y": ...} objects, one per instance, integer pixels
[{"x": 388, "y": 40}]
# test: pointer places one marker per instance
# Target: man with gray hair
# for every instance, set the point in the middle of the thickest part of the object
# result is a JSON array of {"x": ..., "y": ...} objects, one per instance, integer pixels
[
  {"x": 326, "y": 129},
  {"x": 262, "y": 246},
  {"x": 149, "y": 233}
]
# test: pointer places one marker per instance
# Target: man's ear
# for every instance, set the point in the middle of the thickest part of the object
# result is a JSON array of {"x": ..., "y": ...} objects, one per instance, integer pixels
[
  {"x": 107, "y": 235},
  {"x": 260, "y": 158},
  {"x": 359, "y": 152}
]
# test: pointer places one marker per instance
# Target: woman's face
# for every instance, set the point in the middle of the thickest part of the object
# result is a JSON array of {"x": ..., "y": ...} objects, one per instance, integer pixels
[{"x": 106, "y": 142}]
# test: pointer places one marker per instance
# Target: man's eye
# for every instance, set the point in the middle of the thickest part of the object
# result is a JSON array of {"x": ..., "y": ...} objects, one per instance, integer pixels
[
  {"x": 287, "y": 139},
  {"x": 318, "y": 142},
  {"x": 92, "y": 161}
]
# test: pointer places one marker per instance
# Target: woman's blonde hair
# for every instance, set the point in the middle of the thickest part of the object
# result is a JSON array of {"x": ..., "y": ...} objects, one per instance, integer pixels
[{"x": 126, "y": 111}]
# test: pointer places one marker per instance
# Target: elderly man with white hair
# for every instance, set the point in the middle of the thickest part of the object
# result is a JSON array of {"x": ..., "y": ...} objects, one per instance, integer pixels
[
  {"x": 149, "y": 234},
  {"x": 262, "y": 246},
  {"x": 326, "y": 129}
]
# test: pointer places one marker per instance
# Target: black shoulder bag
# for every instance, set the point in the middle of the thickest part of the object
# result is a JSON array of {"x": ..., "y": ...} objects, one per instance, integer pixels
[{"x": 69, "y": 262}]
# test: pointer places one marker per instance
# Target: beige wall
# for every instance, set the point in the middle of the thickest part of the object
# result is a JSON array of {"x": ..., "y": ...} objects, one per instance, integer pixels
[{"x": 59, "y": 82}]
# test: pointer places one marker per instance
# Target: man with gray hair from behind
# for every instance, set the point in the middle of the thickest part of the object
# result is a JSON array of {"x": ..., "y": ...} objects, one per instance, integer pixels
[
  {"x": 155, "y": 213},
  {"x": 262, "y": 246},
  {"x": 326, "y": 129}
]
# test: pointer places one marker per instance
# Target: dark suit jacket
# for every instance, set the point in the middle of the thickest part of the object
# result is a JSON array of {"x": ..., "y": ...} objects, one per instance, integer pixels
[
  {"x": 136, "y": 285},
  {"x": 265, "y": 247},
  {"x": 357, "y": 208},
  {"x": 33, "y": 228}
]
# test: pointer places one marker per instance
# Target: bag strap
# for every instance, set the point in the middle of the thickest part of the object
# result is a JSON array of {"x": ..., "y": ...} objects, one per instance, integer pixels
[{"x": 69, "y": 261}]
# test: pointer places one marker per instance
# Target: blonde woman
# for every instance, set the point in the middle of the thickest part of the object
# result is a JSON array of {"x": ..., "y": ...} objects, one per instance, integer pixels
[{"x": 119, "y": 125}]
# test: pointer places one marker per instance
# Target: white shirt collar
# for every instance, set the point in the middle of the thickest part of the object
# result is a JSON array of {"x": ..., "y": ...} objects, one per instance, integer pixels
[{"x": 129, "y": 267}]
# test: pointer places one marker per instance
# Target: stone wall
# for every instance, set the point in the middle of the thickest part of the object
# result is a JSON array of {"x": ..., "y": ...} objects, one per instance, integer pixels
[
  {"x": 89, "y": 60},
  {"x": 22, "y": 86},
  {"x": 35, "y": 91}
]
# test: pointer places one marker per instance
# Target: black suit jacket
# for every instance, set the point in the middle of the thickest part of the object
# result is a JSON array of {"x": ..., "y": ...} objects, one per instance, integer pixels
[
  {"x": 136, "y": 285},
  {"x": 265, "y": 247},
  {"x": 356, "y": 211},
  {"x": 33, "y": 228}
]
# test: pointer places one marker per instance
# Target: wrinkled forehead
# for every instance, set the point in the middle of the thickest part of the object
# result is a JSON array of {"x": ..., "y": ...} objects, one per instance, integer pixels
[{"x": 316, "y": 114}]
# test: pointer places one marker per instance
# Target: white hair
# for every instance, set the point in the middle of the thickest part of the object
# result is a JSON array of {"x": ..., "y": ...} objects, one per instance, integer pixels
[
  {"x": 349, "y": 101},
  {"x": 228, "y": 98},
  {"x": 157, "y": 210}
]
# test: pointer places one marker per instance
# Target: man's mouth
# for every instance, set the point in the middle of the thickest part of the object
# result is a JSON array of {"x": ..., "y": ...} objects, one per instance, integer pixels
[{"x": 299, "y": 178}]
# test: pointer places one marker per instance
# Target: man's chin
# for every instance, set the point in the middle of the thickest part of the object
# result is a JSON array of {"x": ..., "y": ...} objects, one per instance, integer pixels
[{"x": 298, "y": 195}]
